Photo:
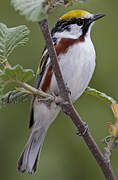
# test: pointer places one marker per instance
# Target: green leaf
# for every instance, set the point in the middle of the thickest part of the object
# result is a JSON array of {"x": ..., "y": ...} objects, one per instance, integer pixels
[
  {"x": 98, "y": 94},
  {"x": 34, "y": 10},
  {"x": 15, "y": 97},
  {"x": 16, "y": 73},
  {"x": 10, "y": 38}
]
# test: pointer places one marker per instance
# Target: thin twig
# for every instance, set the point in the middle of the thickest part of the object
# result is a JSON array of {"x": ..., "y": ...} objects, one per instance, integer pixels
[{"x": 68, "y": 108}]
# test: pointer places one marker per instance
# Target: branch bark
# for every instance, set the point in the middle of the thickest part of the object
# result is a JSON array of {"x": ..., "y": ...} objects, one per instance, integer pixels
[{"x": 68, "y": 108}]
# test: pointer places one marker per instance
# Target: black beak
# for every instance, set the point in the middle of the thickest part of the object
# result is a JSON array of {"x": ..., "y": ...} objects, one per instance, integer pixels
[
  {"x": 96, "y": 17},
  {"x": 91, "y": 20}
]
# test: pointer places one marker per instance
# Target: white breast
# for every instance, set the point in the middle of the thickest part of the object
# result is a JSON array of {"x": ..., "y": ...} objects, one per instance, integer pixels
[{"x": 77, "y": 67}]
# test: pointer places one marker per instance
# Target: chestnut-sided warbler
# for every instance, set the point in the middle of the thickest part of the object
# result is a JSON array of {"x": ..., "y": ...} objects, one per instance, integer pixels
[{"x": 76, "y": 56}]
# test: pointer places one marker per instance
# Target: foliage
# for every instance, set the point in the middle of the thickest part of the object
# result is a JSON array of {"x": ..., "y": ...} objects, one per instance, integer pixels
[
  {"x": 15, "y": 97},
  {"x": 11, "y": 38},
  {"x": 37, "y": 10},
  {"x": 16, "y": 73},
  {"x": 101, "y": 95},
  {"x": 33, "y": 10},
  {"x": 112, "y": 140}
]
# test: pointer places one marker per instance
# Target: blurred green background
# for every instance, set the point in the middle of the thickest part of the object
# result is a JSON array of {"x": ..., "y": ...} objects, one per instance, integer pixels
[{"x": 64, "y": 155}]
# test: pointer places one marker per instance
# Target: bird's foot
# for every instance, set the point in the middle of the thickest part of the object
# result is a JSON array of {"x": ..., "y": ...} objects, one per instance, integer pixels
[
  {"x": 68, "y": 89},
  {"x": 84, "y": 132}
]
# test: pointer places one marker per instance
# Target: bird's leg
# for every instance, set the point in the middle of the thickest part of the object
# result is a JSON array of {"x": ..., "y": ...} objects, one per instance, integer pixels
[{"x": 68, "y": 89}]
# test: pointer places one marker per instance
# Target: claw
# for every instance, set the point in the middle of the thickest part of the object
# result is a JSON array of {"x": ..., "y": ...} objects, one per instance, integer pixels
[
  {"x": 84, "y": 132},
  {"x": 68, "y": 89}
]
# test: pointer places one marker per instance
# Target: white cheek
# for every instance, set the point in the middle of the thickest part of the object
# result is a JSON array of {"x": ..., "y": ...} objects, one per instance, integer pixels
[
  {"x": 64, "y": 34},
  {"x": 76, "y": 30},
  {"x": 74, "y": 33}
]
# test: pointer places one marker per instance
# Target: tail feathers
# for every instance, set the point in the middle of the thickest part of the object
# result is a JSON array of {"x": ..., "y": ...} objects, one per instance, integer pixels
[{"x": 29, "y": 158}]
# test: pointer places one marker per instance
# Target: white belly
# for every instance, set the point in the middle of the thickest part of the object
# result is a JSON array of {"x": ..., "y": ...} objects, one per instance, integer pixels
[{"x": 77, "y": 67}]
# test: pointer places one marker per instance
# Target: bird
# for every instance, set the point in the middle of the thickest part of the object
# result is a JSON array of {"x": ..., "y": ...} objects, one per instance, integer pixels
[{"x": 77, "y": 60}]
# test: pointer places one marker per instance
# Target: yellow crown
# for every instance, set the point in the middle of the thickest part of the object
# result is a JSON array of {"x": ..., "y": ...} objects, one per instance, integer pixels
[{"x": 73, "y": 13}]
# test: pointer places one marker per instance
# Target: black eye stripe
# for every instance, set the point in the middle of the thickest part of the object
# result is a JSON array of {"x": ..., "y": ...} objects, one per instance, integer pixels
[
  {"x": 63, "y": 25},
  {"x": 80, "y": 22}
]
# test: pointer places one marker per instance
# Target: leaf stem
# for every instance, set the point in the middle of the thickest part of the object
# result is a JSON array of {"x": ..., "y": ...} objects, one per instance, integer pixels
[{"x": 32, "y": 90}]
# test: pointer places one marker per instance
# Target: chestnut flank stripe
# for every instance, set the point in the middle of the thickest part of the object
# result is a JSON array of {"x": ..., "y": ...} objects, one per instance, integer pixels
[
  {"x": 60, "y": 48},
  {"x": 65, "y": 43},
  {"x": 46, "y": 83}
]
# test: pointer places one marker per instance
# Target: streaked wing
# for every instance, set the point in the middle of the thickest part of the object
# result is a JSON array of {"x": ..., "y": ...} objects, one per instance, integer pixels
[
  {"x": 41, "y": 68},
  {"x": 40, "y": 73}
]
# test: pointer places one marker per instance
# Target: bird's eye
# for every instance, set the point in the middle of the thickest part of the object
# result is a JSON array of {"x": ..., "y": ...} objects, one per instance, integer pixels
[{"x": 80, "y": 22}]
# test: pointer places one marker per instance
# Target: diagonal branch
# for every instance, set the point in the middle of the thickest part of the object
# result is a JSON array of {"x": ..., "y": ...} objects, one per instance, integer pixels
[{"x": 68, "y": 108}]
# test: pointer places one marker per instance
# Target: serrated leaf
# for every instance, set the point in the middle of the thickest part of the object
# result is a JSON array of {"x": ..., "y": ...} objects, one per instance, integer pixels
[
  {"x": 16, "y": 73},
  {"x": 10, "y": 38},
  {"x": 15, "y": 97},
  {"x": 34, "y": 10}
]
